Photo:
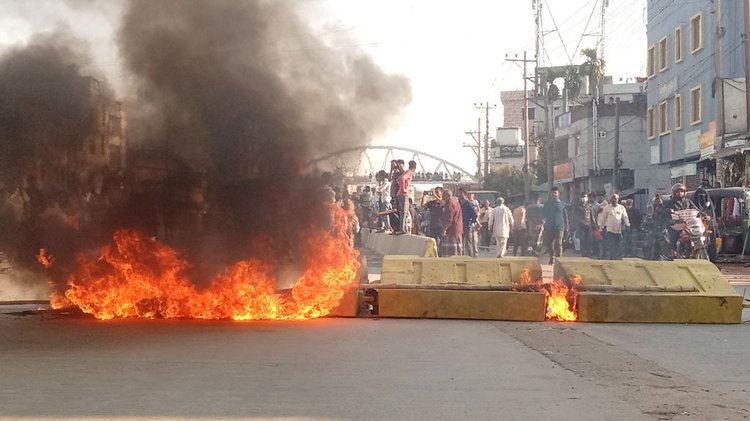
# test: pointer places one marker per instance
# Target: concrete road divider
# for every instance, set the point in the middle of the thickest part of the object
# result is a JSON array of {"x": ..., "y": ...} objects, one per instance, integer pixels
[
  {"x": 404, "y": 244},
  {"x": 459, "y": 288},
  {"x": 634, "y": 290},
  {"x": 458, "y": 270}
]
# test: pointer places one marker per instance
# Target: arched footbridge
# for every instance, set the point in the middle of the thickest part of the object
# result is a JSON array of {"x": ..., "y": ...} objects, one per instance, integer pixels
[{"x": 368, "y": 160}]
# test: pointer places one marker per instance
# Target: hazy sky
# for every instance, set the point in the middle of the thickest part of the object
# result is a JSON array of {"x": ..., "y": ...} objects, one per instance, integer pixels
[{"x": 453, "y": 51}]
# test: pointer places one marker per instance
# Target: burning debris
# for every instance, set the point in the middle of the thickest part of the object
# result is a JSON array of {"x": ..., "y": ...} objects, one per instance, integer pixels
[
  {"x": 212, "y": 192},
  {"x": 561, "y": 298},
  {"x": 138, "y": 276}
]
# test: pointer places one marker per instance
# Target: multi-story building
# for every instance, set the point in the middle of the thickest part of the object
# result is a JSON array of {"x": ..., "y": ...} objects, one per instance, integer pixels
[
  {"x": 685, "y": 91},
  {"x": 70, "y": 148},
  {"x": 584, "y": 148}
]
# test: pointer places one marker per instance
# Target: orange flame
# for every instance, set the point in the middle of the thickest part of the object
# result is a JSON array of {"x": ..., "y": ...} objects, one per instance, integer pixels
[
  {"x": 141, "y": 277},
  {"x": 561, "y": 300},
  {"x": 44, "y": 259}
]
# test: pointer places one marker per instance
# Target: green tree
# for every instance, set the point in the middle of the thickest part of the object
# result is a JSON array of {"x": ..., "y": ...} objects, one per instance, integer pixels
[{"x": 508, "y": 180}]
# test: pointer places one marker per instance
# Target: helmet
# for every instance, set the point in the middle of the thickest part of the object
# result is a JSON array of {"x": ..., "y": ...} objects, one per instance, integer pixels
[{"x": 678, "y": 188}]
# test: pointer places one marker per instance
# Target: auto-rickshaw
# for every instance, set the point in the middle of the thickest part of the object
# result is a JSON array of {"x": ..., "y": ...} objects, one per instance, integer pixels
[{"x": 730, "y": 207}]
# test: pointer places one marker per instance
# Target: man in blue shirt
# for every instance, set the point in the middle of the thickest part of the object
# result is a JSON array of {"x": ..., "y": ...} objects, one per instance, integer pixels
[
  {"x": 555, "y": 224},
  {"x": 469, "y": 214}
]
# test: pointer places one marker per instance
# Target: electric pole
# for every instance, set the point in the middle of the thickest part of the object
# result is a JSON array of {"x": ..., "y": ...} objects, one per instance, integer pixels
[
  {"x": 476, "y": 147},
  {"x": 718, "y": 69},
  {"x": 487, "y": 107},
  {"x": 747, "y": 65},
  {"x": 616, "y": 163},
  {"x": 526, "y": 142}
]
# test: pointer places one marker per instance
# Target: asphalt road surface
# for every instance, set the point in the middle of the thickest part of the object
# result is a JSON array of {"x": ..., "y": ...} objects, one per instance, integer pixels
[{"x": 66, "y": 367}]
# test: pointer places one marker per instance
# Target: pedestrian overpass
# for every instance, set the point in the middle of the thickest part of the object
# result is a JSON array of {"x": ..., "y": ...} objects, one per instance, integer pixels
[{"x": 367, "y": 160}]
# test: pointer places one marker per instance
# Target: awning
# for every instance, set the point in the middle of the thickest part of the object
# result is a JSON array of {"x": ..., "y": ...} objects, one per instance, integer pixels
[
  {"x": 726, "y": 152},
  {"x": 630, "y": 192}
]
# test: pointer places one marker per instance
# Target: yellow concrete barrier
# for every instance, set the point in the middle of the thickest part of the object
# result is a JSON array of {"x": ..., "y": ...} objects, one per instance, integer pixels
[
  {"x": 404, "y": 244},
  {"x": 459, "y": 288},
  {"x": 458, "y": 270},
  {"x": 634, "y": 290}
]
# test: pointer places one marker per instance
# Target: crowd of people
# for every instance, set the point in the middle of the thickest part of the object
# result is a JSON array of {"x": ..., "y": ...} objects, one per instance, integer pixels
[{"x": 461, "y": 225}]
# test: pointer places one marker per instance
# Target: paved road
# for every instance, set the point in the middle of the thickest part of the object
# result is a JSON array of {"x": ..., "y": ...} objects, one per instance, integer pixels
[{"x": 54, "y": 367}]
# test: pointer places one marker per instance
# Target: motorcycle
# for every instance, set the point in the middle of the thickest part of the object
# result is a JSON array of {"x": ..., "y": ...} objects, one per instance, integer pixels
[{"x": 694, "y": 234}]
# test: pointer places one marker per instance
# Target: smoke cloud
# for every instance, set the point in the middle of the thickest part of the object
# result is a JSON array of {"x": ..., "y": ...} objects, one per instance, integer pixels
[
  {"x": 226, "y": 103},
  {"x": 244, "y": 89}
]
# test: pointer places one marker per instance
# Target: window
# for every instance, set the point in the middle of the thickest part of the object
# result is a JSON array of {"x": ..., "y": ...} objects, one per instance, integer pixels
[
  {"x": 663, "y": 54},
  {"x": 663, "y": 118},
  {"x": 696, "y": 33},
  {"x": 531, "y": 113},
  {"x": 651, "y": 61},
  {"x": 678, "y": 44},
  {"x": 696, "y": 105},
  {"x": 651, "y": 123},
  {"x": 678, "y": 112}
]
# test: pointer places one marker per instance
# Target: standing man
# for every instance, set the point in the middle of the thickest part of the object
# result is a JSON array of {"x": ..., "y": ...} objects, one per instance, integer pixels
[
  {"x": 614, "y": 218},
  {"x": 474, "y": 233},
  {"x": 584, "y": 222},
  {"x": 397, "y": 168},
  {"x": 383, "y": 193},
  {"x": 435, "y": 208},
  {"x": 453, "y": 227},
  {"x": 534, "y": 224},
  {"x": 520, "y": 233},
  {"x": 469, "y": 218},
  {"x": 555, "y": 224},
  {"x": 404, "y": 181},
  {"x": 501, "y": 220},
  {"x": 484, "y": 220},
  {"x": 635, "y": 217}
]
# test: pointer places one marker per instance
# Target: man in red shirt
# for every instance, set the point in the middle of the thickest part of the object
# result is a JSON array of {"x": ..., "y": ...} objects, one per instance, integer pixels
[{"x": 402, "y": 197}]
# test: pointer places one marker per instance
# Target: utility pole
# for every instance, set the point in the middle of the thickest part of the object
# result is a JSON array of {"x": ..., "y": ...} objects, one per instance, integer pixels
[
  {"x": 477, "y": 145},
  {"x": 616, "y": 164},
  {"x": 487, "y": 109},
  {"x": 718, "y": 69},
  {"x": 747, "y": 63},
  {"x": 526, "y": 142}
]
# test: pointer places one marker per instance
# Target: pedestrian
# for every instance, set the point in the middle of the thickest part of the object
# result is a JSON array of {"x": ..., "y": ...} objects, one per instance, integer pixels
[
  {"x": 501, "y": 221},
  {"x": 555, "y": 224},
  {"x": 484, "y": 221},
  {"x": 433, "y": 203},
  {"x": 451, "y": 242},
  {"x": 614, "y": 219},
  {"x": 397, "y": 168},
  {"x": 661, "y": 221},
  {"x": 584, "y": 223},
  {"x": 476, "y": 226},
  {"x": 404, "y": 181},
  {"x": 534, "y": 225},
  {"x": 469, "y": 217},
  {"x": 520, "y": 231},
  {"x": 383, "y": 193},
  {"x": 635, "y": 217}
]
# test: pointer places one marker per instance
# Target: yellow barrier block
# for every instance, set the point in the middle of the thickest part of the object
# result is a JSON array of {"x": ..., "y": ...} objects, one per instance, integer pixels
[
  {"x": 461, "y": 304},
  {"x": 634, "y": 290},
  {"x": 457, "y": 270}
]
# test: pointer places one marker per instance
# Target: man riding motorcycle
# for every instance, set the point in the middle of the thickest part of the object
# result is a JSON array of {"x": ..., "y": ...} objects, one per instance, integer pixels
[{"x": 678, "y": 202}]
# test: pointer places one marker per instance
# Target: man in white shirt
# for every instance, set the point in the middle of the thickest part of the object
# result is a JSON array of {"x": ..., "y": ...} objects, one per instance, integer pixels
[
  {"x": 501, "y": 221},
  {"x": 613, "y": 218}
]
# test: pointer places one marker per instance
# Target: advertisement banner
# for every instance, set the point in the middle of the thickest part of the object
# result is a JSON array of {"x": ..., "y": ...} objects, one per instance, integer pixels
[{"x": 563, "y": 173}]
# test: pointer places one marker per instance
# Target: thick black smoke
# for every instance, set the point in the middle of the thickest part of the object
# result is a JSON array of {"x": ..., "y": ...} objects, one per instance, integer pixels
[
  {"x": 244, "y": 89},
  {"x": 244, "y": 93},
  {"x": 227, "y": 100},
  {"x": 45, "y": 106}
]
